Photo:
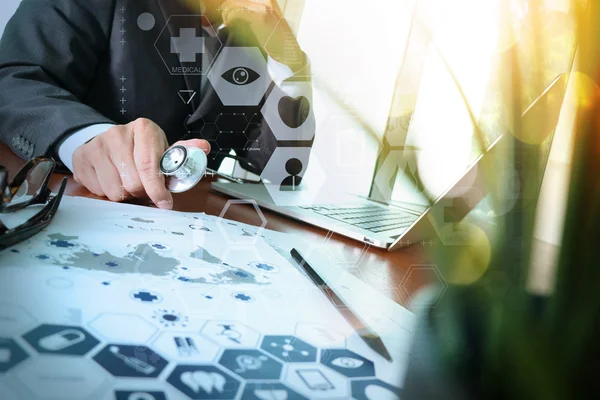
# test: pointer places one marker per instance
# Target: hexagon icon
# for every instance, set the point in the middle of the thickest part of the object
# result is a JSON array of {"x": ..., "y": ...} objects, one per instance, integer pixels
[
  {"x": 374, "y": 389},
  {"x": 139, "y": 395},
  {"x": 61, "y": 339},
  {"x": 289, "y": 111},
  {"x": 240, "y": 76},
  {"x": 186, "y": 346},
  {"x": 347, "y": 363},
  {"x": 185, "y": 47},
  {"x": 419, "y": 275},
  {"x": 14, "y": 319},
  {"x": 319, "y": 335},
  {"x": 123, "y": 327},
  {"x": 269, "y": 390},
  {"x": 61, "y": 377},
  {"x": 398, "y": 174},
  {"x": 204, "y": 382},
  {"x": 315, "y": 381},
  {"x": 289, "y": 349},
  {"x": 235, "y": 235},
  {"x": 11, "y": 354},
  {"x": 293, "y": 55},
  {"x": 124, "y": 360},
  {"x": 251, "y": 364},
  {"x": 285, "y": 172},
  {"x": 340, "y": 252},
  {"x": 231, "y": 333}
]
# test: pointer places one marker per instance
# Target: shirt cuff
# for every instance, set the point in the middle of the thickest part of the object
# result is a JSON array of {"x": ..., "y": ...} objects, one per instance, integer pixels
[
  {"x": 80, "y": 137},
  {"x": 279, "y": 72}
]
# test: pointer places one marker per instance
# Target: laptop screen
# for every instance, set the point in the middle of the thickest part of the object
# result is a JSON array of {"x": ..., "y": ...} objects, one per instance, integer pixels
[{"x": 430, "y": 133}]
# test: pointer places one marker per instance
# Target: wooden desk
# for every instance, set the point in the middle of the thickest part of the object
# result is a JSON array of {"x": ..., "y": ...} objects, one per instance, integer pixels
[{"x": 388, "y": 272}]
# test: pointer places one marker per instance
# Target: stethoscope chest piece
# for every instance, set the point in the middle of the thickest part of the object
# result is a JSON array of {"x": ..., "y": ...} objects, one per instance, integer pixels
[{"x": 183, "y": 166}]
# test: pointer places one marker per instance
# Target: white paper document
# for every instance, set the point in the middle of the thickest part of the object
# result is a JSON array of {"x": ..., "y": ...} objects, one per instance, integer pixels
[{"x": 116, "y": 301}]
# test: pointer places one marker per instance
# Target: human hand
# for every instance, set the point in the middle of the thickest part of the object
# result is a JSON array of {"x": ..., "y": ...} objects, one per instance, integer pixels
[
  {"x": 123, "y": 162},
  {"x": 268, "y": 24}
]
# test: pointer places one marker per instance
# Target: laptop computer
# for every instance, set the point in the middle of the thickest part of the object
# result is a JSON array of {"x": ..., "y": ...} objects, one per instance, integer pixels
[
  {"x": 392, "y": 224},
  {"x": 393, "y": 214}
]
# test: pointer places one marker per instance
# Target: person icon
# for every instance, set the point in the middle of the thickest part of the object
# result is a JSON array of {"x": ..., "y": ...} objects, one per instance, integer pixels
[{"x": 293, "y": 166}]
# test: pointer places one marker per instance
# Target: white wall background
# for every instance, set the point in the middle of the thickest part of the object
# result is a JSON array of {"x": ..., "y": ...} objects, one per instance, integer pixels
[{"x": 7, "y": 9}]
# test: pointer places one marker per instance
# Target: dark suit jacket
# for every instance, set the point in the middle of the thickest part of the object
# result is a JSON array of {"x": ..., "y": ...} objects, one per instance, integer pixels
[{"x": 68, "y": 64}]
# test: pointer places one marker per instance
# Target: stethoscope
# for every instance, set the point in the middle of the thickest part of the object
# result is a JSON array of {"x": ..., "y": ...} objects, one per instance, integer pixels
[{"x": 185, "y": 166}]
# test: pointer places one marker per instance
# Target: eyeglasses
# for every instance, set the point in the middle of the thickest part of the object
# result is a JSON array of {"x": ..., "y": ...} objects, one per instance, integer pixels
[{"x": 28, "y": 188}]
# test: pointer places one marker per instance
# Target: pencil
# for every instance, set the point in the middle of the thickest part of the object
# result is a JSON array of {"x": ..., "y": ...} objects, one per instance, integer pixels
[{"x": 370, "y": 337}]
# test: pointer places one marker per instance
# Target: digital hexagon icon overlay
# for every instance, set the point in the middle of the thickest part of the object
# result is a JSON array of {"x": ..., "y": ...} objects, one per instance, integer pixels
[
  {"x": 374, "y": 389},
  {"x": 240, "y": 76},
  {"x": 11, "y": 354},
  {"x": 186, "y": 346},
  {"x": 204, "y": 382},
  {"x": 347, "y": 363},
  {"x": 398, "y": 174},
  {"x": 231, "y": 334},
  {"x": 139, "y": 395},
  {"x": 251, "y": 364},
  {"x": 122, "y": 360},
  {"x": 238, "y": 237},
  {"x": 61, "y": 339},
  {"x": 269, "y": 390},
  {"x": 339, "y": 251},
  {"x": 315, "y": 381},
  {"x": 62, "y": 377},
  {"x": 285, "y": 172},
  {"x": 123, "y": 327},
  {"x": 289, "y": 349},
  {"x": 185, "y": 47},
  {"x": 419, "y": 275},
  {"x": 289, "y": 111}
]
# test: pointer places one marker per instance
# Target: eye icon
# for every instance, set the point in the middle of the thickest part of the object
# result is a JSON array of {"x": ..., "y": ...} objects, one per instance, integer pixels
[
  {"x": 240, "y": 76},
  {"x": 347, "y": 362}
]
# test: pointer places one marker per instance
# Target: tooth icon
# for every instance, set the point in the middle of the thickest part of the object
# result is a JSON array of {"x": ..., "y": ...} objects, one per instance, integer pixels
[
  {"x": 207, "y": 381},
  {"x": 188, "y": 379}
]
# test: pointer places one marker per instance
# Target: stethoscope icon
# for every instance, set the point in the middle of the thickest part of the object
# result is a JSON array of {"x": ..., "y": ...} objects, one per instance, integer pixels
[{"x": 183, "y": 166}]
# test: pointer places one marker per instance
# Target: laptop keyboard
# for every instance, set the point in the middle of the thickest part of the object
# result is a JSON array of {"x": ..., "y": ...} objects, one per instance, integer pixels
[{"x": 375, "y": 219}]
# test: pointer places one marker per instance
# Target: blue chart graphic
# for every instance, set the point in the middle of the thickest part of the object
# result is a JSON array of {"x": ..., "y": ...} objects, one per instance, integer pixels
[
  {"x": 262, "y": 391},
  {"x": 61, "y": 339},
  {"x": 264, "y": 267},
  {"x": 146, "y": 296},
  {"x": 204, "y": 382},
  {"x": 139, "y": 395},
  {"x": 243, "y": 297},
  {"x": 347, "y": 363},
  {"x": 251, "y": 364},
  {"x": 170, "y": 318},
  {"x": 131, "y": 361},
  {"x": 289, "y": 349},
  {"x": 148, "y": 319}
]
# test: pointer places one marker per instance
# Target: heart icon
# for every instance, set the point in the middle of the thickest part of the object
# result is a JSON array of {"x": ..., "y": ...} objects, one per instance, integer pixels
[{"x": 294, "y": 111}]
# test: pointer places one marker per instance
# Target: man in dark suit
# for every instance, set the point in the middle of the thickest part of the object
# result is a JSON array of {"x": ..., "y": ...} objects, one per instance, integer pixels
[{"x": 107, "y": 85}]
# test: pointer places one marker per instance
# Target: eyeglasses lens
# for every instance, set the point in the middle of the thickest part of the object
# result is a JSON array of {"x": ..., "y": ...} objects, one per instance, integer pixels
[{"x": 33, "y": 183}]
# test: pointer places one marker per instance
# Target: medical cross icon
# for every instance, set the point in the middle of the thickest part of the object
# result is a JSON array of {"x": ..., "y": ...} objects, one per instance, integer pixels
[{"x": 187, "y": 45}]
